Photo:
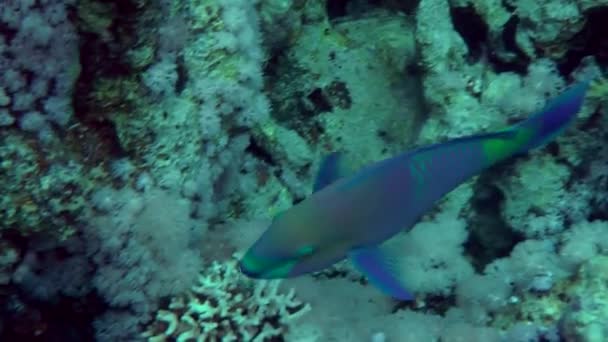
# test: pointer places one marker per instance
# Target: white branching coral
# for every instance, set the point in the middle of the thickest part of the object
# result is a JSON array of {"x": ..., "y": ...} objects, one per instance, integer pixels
[{"x": 225, "y": 306}]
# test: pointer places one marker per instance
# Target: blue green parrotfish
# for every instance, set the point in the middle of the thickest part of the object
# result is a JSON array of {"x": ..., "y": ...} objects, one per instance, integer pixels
[{"x": 351, "y": 216}]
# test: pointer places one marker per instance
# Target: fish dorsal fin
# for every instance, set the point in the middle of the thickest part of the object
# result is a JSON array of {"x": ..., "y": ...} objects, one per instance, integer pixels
[
  {"x": 331, "y": 169},
  {"x": 380, "y": 266}
]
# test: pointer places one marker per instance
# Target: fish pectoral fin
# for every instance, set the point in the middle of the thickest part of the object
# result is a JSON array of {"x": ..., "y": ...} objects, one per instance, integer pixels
[
  {"x": 332, "y": 168},
  {"x": 381, "y": 269}
]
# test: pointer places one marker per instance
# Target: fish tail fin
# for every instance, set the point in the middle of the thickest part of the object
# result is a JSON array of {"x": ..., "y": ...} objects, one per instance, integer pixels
[
  {"x": 540, "y": 128},
  {"x": 555, "y": 116}
]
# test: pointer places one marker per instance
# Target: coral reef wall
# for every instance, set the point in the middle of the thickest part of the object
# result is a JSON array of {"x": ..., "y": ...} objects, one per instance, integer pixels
[{"x": 145, "y": 144}]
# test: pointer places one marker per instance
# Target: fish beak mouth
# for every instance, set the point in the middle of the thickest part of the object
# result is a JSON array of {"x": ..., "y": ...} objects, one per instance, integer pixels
[
  {"x": 249, "y": 272},
  {"x": 277, "y": 270}
]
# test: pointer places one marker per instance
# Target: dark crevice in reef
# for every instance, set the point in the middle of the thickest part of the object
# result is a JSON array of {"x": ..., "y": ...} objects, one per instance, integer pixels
[
  {"x": 46, "y": 315},
  {"x": 182, "y": 75},
  {"x": 64, "y": 319},
  {"x": 591, "y": 41},
  {"x": 511, "y": 57},
  {"x": 337, "y": 9},
  {"x": 504, "y": 54},
  {"x": 295, "y": 104},
  {"x": 501, "y": 50},
  {"x": 259, "y": 152},
  {"x": 508, "y": 6},
  {"x": 319, "y": 102},
  {"x": 106, "y": 76},
  {"x": 490, "y": 237},
  {"x": 472, "y": 29},
  {"x": 599, "y": 211},
  {"x": 407, "y": 6},
  {"x": 437, "y": 304}
]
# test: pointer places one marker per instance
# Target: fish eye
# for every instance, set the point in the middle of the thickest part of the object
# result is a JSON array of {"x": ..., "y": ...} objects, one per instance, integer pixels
[{"x": 304, "y": 251}]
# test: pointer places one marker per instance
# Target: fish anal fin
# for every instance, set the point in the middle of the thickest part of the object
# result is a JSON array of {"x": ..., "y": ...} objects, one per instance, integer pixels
[{"x": 380, "y": 266}]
